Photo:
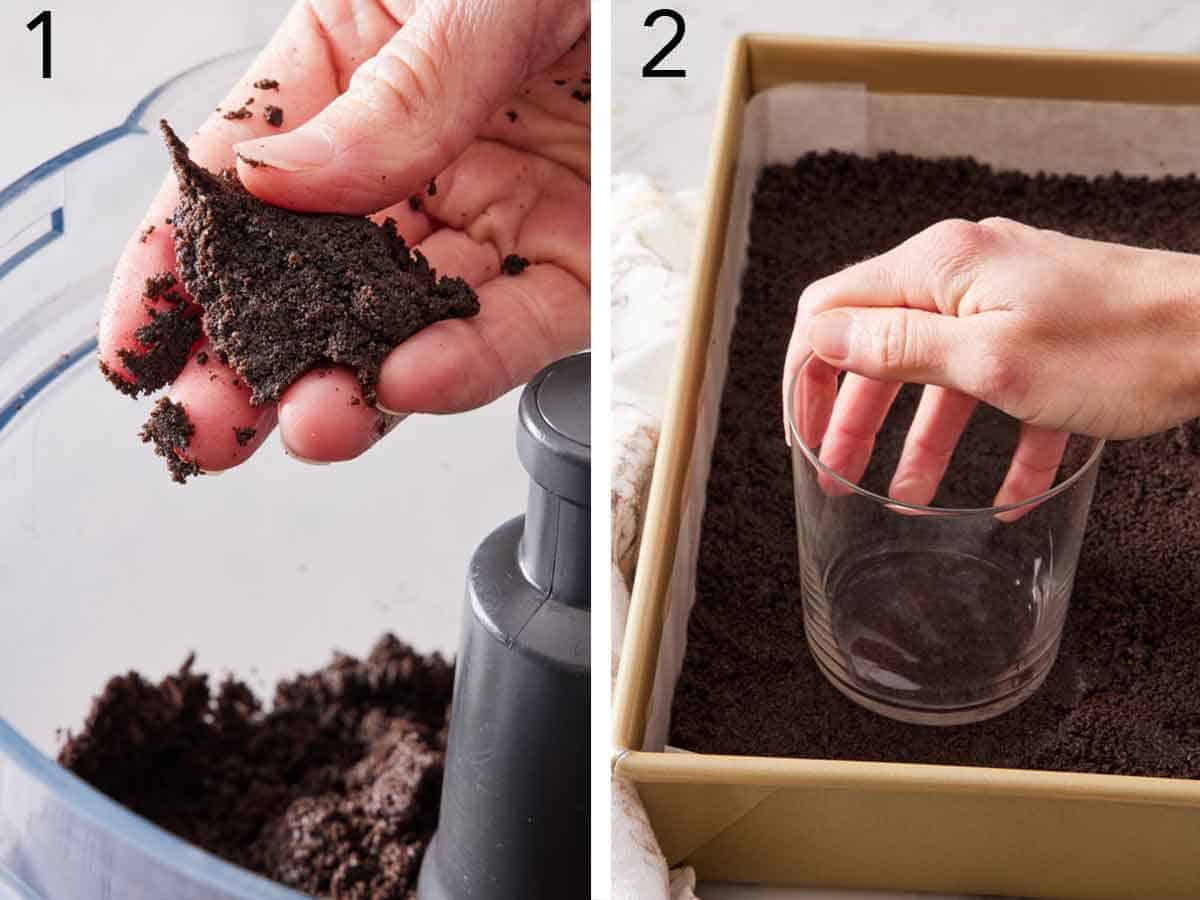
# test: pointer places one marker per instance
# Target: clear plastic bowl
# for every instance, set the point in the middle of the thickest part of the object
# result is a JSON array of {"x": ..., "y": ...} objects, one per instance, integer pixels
[{"x": 106, "y": 565}]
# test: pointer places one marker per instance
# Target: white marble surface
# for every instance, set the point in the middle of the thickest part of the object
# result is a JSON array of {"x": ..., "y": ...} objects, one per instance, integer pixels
[{"x": 662, "y": 127}]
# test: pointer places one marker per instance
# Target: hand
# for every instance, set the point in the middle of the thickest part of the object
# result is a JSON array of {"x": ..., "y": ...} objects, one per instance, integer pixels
[
  {"x": 1065, "y": 334},
  {"x": 490, "y": 97}
]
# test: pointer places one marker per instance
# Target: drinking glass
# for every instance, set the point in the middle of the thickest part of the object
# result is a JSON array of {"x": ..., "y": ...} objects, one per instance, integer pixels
[{"x": 932, "y": 614}]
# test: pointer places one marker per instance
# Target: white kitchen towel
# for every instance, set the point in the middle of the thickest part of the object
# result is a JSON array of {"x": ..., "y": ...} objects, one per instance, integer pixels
[{"x": 652, "y": 238}]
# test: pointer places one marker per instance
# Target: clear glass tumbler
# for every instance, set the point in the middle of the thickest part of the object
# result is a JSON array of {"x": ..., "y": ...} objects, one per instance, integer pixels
[{"x": 932, "y": 614}]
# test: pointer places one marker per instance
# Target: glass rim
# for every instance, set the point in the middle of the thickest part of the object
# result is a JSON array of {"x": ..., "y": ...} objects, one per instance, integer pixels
[{"x": 944, "y": 511}]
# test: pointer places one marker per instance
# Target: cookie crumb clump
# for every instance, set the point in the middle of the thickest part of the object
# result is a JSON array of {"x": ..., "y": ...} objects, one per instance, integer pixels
[
  {"x": 170, "y": 430},
  {"x": 285, "y": 292},
  {"x": 157, "y": 285},
  {"x": 165, "y": 341},
  {"x": 273, "y": 115}
]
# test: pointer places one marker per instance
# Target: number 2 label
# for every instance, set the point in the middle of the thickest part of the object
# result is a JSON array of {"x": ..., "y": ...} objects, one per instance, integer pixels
[{"x": 650, "y": 69}]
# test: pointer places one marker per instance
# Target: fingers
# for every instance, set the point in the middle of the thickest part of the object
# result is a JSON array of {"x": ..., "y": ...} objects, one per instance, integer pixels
[
  {"x": 413, "y": 107},
  {"x": 905, "y": 345},
  {"x": 931, "y": 272},
  {"x": 496, "y": 202},
  {"x": 1033, "y": 469},
  {"x": 858, "y": 412},
  {"x": 816, "y": 391},
  {"x": 941, "y": 417},
  {"x": 127, "y": 307},
  {"x": 228, "y": 428},
  {"x": 524, "y": 323},
  {"x": 323, "y": 418},
  {"x": 913, "y": 315}
]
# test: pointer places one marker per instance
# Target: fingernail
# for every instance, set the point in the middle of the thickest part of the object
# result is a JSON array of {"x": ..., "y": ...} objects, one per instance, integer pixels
[
  {"x": 297, "y": 457},
  {"x": 829, "y": 334},
  {"x": 391, "y": 412},
  {"x": 296, "y": 151},
  {"x": 914, "y": 489}
]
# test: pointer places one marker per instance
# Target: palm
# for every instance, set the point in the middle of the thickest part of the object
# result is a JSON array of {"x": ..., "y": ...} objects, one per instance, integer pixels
[{"x": 520, "y": 187}]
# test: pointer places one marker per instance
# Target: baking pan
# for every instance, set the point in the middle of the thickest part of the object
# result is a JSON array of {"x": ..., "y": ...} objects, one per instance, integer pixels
[{"x": 885, "y": 825}]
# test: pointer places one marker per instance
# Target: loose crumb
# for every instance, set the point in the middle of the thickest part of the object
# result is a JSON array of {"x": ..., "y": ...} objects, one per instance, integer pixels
[
  {"x": 157, "y": 285},
  {"x": 146, "y": 232},
  {"x": 273, "y": 115},
  {"x": 432, "y": 189},
  {"x": 414, "y": 203},
  {"x": 241, "y": 113},
  {"x": 243, "y": 436},
  {"x": 581, "y": 96},
  {"x": 267, "y": 84},
  {"x": 128, "y": 388},
  {"x": 512, "y": 115},
  {"x": 514, "y": 265}
]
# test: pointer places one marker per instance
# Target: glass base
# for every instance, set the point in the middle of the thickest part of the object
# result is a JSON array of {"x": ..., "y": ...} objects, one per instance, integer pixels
[
  {"x": 934, "y": 636},
  {"x": 924, "y": 715}
]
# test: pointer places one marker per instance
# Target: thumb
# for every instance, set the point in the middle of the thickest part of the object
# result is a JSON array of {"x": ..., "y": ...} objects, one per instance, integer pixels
[
  {"x": 890, "y": 344},
  {"x": 410, "y": 110}
]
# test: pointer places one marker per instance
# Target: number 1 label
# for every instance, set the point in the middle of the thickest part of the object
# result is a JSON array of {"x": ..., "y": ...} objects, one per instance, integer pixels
[{"x": 42, "y": 20}]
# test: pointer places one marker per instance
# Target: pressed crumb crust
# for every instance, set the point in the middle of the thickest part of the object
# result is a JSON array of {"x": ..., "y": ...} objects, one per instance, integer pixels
[{"x": 1124, "y": 696}]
